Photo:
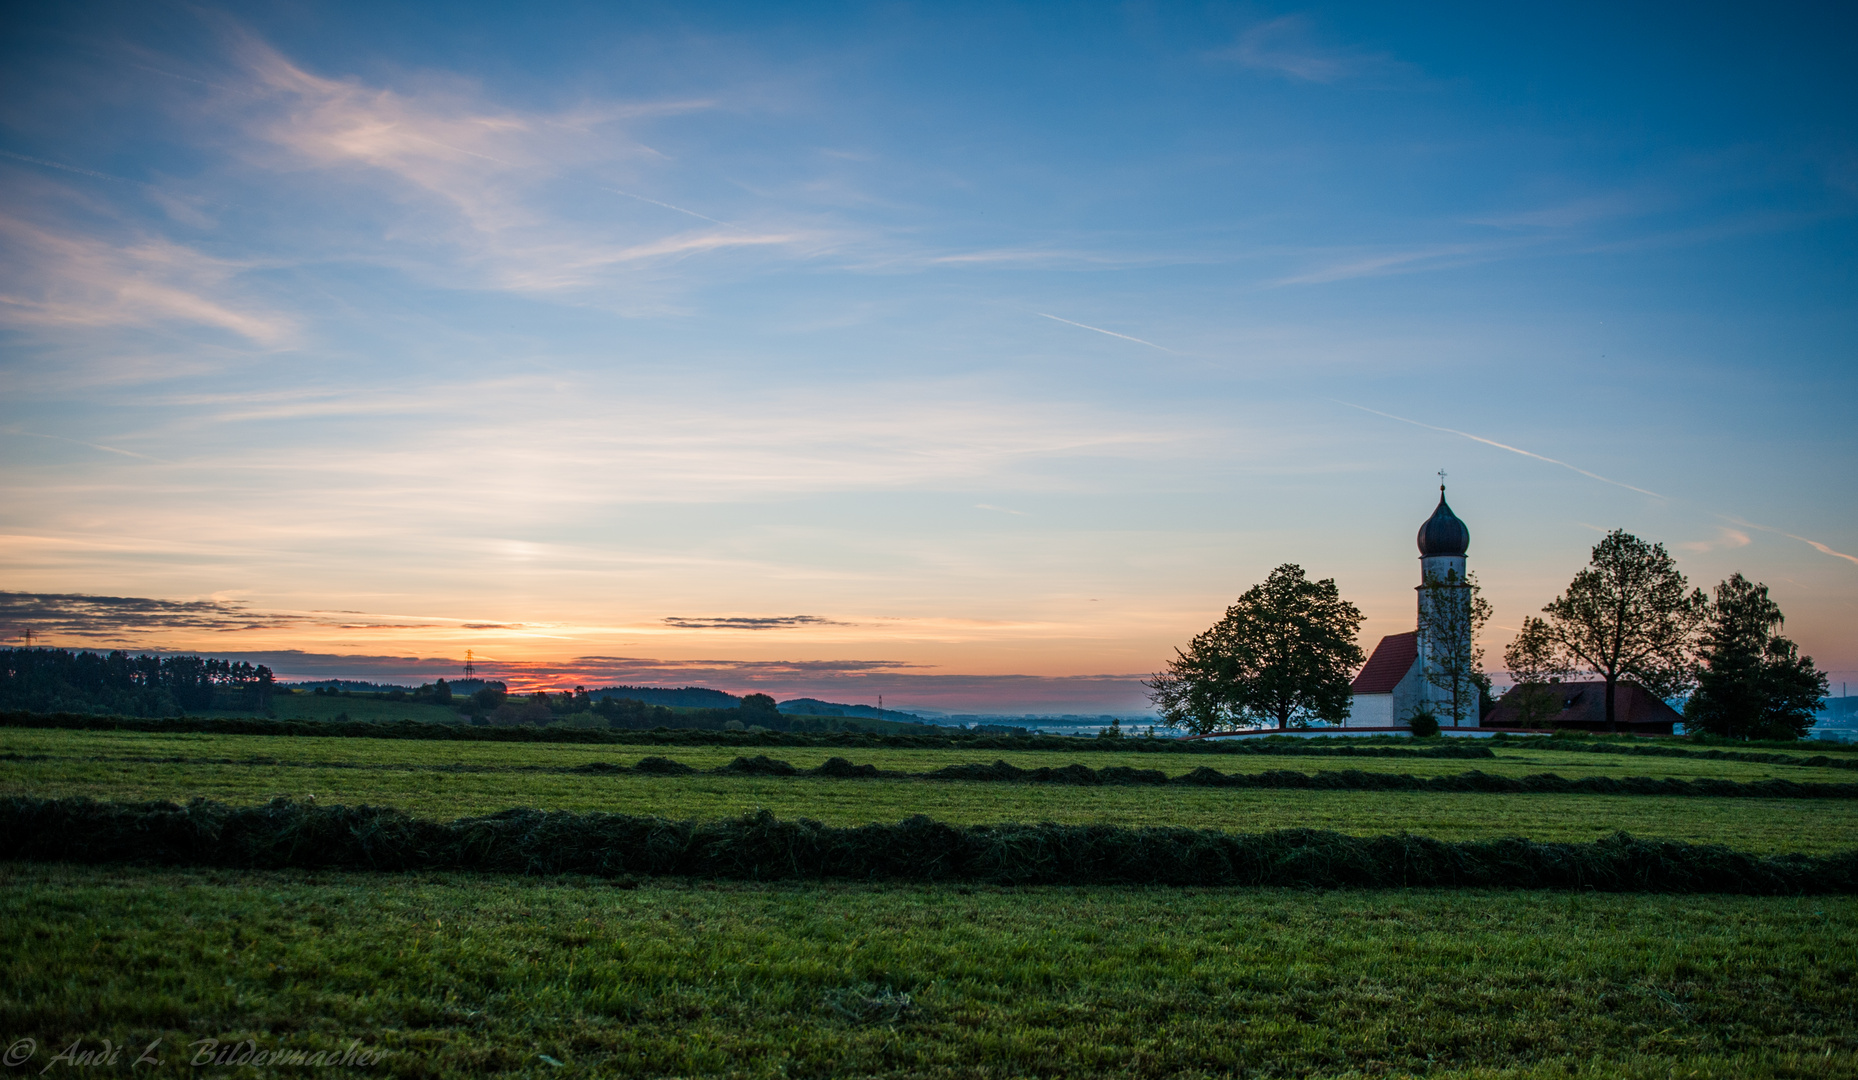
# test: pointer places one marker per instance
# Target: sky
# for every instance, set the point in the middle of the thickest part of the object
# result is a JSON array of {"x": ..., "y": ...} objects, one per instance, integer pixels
[{"x": 972, "y": 355}]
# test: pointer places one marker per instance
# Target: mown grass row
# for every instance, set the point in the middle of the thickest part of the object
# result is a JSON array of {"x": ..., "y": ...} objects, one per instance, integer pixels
[
  {"x": 762, "y": 847},
  {"x": 448, "y": 780},
  {"x": 34, "y": 752},
  {"x": 467, "y": 975},
  {"x": 1001, "y": 771},
  {"x": 1842, "y": 758},
  {"x": 839, "y": 768}
]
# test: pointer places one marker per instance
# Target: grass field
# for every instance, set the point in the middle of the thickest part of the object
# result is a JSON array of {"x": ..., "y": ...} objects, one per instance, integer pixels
[
  {"x": 460, "y": 974},
  {"x": 464, "y": 975},
  {"x": 307, "y": 706},
  {"x": 417, "y": 777},
  {"x": 129, "y": 746}
]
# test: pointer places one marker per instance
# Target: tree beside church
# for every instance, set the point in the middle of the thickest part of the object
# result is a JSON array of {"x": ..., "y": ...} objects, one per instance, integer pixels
[
  {"x": 1754, "y": 683},
  {"x": 1280, "y": 657}
]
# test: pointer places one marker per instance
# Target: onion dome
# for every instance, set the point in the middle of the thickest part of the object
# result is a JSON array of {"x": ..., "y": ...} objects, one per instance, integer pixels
[{"x": 1443, "y": 533}]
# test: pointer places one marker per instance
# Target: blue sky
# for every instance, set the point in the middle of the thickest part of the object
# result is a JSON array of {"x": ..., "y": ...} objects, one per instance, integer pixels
[{"x": 977, "y": 353}]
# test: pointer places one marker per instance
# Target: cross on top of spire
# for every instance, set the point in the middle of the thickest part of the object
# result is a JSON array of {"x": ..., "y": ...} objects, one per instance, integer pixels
[{"x": 1441, "y": 481}]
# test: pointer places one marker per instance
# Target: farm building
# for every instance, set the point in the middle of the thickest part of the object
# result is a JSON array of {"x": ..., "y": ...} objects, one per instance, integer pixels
[{"x": 1583, "y": 708}]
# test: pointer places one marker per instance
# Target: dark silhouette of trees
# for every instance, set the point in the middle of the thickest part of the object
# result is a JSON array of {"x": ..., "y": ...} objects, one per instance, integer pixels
[
  {"x": 57, "y": 680},
  {"x": 1282, "y": 655},
  {"x": 1628, "y": 616},
  {"x": 1532, "y": 660},
  {"x": 1754, "y": 683}
]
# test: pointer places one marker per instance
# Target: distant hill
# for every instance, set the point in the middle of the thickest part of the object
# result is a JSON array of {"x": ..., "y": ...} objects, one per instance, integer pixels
[
  {"x": 807, "y": 706},
  {"x": 1839, "y": 712},
  {"x": 686, "y": 697}
]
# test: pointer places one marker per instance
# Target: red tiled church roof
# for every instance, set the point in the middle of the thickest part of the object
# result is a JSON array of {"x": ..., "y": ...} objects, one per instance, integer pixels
[{"x": 1392, "y": 659}]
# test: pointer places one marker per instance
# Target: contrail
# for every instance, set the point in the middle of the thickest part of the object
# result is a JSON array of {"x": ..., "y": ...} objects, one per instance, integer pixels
[
  {"x": 92, "y": 445},
  {"x": 66, "y": 168},
  {"x": 1101, "y": 330},
  {"x": 1500, "y": 446},
  {"x": 1821, "y": 548},
  {"x": 1816, "y": 545},
  {"x": 668, "y": 206}
]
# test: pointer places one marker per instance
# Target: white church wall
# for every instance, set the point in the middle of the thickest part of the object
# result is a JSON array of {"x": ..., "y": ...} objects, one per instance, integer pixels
[
  {"x": 1410, "y": 691},
  {"x": 1370, "y": 710}
]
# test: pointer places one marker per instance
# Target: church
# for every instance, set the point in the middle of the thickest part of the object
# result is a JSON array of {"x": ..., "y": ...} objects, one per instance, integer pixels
[
  {"x": 1395, "y": 682},
  {"x": 1401, "y": 677}
]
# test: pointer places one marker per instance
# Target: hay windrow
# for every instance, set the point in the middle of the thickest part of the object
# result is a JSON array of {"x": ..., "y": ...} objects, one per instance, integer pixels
[
  {"x": 285, "y": 834},
  {"x": 1277, "y": 779}
]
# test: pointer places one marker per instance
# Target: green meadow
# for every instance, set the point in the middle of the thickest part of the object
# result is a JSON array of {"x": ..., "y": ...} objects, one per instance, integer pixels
[
  {"x": 471, "y": 974},
  {"x": 374, "y": 708},
  {"x": 465, "y": 975}
]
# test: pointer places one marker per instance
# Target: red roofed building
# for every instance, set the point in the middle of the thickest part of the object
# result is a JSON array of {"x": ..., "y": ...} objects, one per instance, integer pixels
[
  {"x": 1390, "y": 684},
  {"x": 1582, "y": 707}
]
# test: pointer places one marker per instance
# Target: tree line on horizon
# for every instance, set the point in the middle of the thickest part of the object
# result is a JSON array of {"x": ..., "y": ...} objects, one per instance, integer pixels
[
  {"x": 48, "y": 680},
  {"x": 1285, "y": 652},
  {"x": 60, "y": 680}
]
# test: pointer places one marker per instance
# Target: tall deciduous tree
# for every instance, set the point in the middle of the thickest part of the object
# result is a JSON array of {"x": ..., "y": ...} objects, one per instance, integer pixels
[
  {"x": 1281, "y": 656},
  {"x": 1754, "y": 683},
  {"x": 1451, "y": 614},
  {"x": 1628, "y": 616},
  {"x": 1532, "y": 659}
]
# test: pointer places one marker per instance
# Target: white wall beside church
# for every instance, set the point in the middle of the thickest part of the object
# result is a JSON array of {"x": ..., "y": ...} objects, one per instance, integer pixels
[
  {"x": 1389, "y": 710},
  {"x": 1370, "y": 710}
]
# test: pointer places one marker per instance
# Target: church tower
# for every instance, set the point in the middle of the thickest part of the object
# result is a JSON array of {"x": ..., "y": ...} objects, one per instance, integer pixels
[
  {"x": 1407, "y": 672},
  {"x": 1444, "y": 597}
]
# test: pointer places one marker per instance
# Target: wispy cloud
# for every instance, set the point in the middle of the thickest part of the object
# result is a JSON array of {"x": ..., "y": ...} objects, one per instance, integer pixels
[
  {"x": 117, "y": 618},
  {"x": 1587, "y": 210},
  {"x": 1502, "y": 446},
  {"x": 1725, "y": 538},
  {"x": 128, "y": 620},
  {"x": 1287, "y": 46},
  {"x": 749, "y": 622},
  {"x": 751, "y": 445},
  {"x": 505, "y": 189},
  {"x": 63, "y": 279},
  {"x": 1347, "y": 265}
]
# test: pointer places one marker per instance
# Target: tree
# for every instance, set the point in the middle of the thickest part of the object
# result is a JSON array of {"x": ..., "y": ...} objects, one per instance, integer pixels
[
  {"x": 1281, "y": 655},
  {"x": 1451, "y": 614},
  {"x": 1754, "y": 683},
  {"x": 1627, "y": 616},
  {"x": 1532, "y": 660}
]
